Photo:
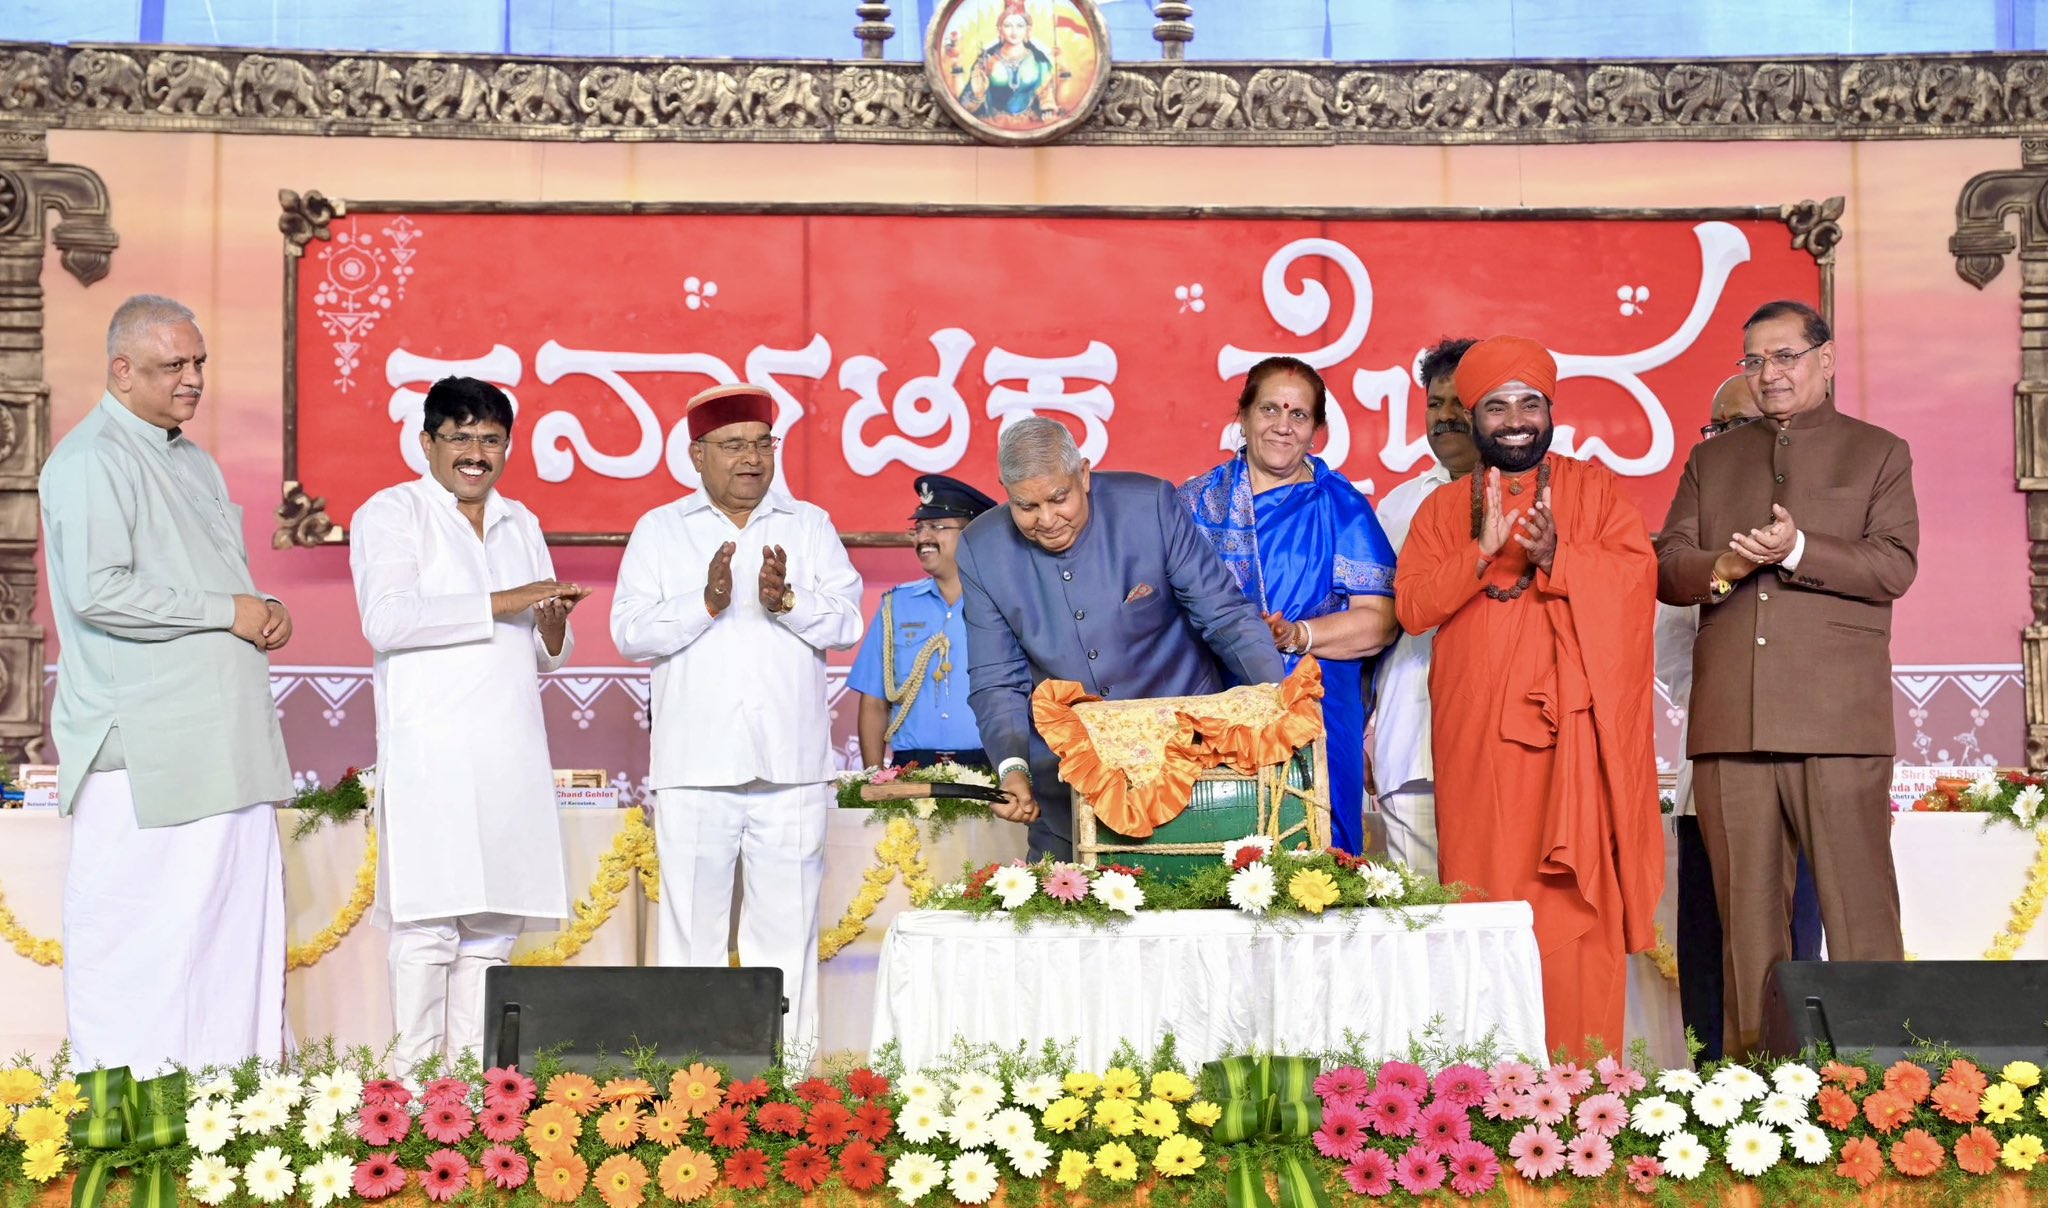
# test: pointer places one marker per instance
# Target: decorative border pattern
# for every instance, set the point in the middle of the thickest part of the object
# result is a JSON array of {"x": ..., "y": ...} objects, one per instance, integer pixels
[{"x": 116, "y": 86}]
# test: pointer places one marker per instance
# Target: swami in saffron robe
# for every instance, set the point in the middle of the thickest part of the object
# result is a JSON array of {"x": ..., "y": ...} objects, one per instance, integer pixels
[{"x": 1546, "y": 764}]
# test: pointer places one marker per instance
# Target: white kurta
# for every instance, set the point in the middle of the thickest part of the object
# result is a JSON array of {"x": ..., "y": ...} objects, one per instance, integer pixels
[{"x": 466, "y": 795}]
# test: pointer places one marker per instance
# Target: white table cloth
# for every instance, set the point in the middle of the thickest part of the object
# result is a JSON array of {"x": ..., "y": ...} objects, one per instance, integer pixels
[{"x": 1218, "y": 980}]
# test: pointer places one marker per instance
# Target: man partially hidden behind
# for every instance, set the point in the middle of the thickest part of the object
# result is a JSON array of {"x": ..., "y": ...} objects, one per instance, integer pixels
[
  {"x": 735, "y": 593},
  {"x": 174, "y": 919},
  {"x": 1794, "y": 535},
  {"x": 1540, "y": 582},
  {"x": 911, "y": 673},
  {"x": 459, "y": 600},
  {"x": 1097, "y": 578}
]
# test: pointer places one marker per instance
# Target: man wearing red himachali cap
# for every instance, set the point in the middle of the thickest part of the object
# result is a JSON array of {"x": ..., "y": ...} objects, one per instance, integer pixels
[
  {"x": 1541, "y": 584},
  {"x": 735, "y": 594}
]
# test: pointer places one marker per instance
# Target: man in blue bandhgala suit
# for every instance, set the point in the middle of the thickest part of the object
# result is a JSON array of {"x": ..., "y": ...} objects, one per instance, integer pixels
[{"x": 1101, "y": 579}]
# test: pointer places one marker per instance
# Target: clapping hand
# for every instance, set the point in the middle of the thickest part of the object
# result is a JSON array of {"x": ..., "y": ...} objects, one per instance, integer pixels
[
  {"x": 774, "y": 577},
  {"x": 1497, "y": 523},
  {"x": 1770, "y": 544},
  {"x": 1537, "y": 532},
  {"x": 718, "y": 579}
]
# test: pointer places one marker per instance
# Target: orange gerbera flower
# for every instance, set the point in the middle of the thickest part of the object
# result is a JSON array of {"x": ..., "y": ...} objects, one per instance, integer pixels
[
  {"x": 627, "y": 1090},
  {"x": 577, "y": 1092},
  {"x": 667, "y": 1126},
  {"x": 621, "y": 1180},
  {"x": 1956, "y": 1103},
  {"x": 560, "y": 1176},
  {"x": 696, "y": 1089},
  {"x": 687, "y": 1175},
  {"x": 1908, "y": 1081},
  {"x": 1837, "y": 1109},
  {"x": 1977, "y": 1151},
  {"x": 619, "y": 1127},
  {"x": 1917, "y": 1154},
  {"x": 1861, "y": 1161},
  {"x": 552, "y": 1127},
  {"x": 1966, "y": 1075},
  {"x": 1887, "y": 1111},
  {"x": 1848, "y": 1077}
]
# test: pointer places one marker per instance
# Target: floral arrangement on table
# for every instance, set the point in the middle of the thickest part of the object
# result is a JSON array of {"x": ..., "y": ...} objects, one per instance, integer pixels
[
  {"x": 1253, "y": 878},
  {"x": 1033, "y": 1126},
  {"x": 346, "y": 800},
  {"x": 942, "y": 812},
  {"x": 2015, "y": 797}
]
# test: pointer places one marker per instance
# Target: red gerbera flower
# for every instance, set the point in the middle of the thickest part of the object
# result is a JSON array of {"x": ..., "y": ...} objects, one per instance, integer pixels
[
  {"x": 378, "y": 1176},
  {"x": 743, "y": 1093},
  {"x": 805, "y": 1167},
  {"x": 726, "y": 1128},
  {"x": 383, "y": 1124},
  {"x": 447, "y": 1172},
  {"x": 446, "y": 1123},
  {"x": 501, "y": 1123},
  {"x": 874, "y": 1122},
  {"x": 386, "y": 1092},
  {"x": 784, "y": 1118},
  {"x": 505, "y": 1167},
  {"x": 507, "y": 1087},
  {"x": 817, "y": 1090},
  {"x": 830, "y": 1124},
  {"x": 860, "y": 1166},
  {"x": 446, "y": 1090},
  {"x": 747, "y": 1170},
  {"x": 866, "y": 1084}
]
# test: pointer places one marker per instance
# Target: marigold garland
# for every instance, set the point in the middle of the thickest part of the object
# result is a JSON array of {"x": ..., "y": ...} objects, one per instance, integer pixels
[
  {"x": 2026, "y": 909},
  {"x": 632, "y": 849},
  {"x": 899, "y": 852},
  {"x": 306, "y": 955},
  {"x": 25, "y": 942},
  {"x": 1664, "y": 957}
]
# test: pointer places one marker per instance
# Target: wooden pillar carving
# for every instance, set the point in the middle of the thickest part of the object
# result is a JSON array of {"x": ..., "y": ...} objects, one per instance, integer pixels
[{"x": 32, "y": 189}]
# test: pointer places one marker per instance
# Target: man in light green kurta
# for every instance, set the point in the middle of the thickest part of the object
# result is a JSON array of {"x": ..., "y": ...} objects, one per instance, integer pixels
[{"x": 167, "y": 735}]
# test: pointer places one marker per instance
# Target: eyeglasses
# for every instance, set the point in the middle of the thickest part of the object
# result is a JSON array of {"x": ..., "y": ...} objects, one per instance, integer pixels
[
  {"x": 1783, "y": 359},
  {"x": 1710, "y": 431},
  {"x": 735, "y": 447},
  {"x": 933, "y": 526},
  {"x": 463, "y": 440},
  {"x": 1272, "y": 411}
]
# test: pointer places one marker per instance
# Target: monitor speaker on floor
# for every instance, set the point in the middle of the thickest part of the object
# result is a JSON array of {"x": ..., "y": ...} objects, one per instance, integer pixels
[
  {"x": 1994, "y": 1010},
  {"x": 729, "y": 1016}
]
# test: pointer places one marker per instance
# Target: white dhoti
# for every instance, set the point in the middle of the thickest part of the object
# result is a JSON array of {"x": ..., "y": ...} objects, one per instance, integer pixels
[
  {"x": 437, "y": 983},
  {"x": 174, "y": 936},
  {"x": 777, "y": 833},
  {"x": 1410, "y": 816}
]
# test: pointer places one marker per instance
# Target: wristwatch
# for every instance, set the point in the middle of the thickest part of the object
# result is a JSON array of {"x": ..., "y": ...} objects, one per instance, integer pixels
[
  {"x": 1720, "y": 588},
  {"x": 788, "y": 600}
]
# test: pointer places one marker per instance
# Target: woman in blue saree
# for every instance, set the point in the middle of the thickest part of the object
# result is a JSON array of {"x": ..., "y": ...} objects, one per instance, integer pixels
[{"x": 1306, "y": 549}]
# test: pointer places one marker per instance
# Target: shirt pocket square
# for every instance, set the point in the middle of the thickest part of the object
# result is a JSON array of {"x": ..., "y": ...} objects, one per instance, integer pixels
[{"x": 1140, "y": 592}]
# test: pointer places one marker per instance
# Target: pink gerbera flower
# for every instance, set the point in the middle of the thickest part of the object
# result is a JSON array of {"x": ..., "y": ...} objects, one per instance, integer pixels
[
  {"x": 383, "y": 1125},
  {"x": 1619, "y": 1078},
  {"x": 1391, "y": 1112},
  {"x": 1370, "y": 1173},
  {"x": 445, "y": 1090},
  {"x": 1464, "y": 1085},
  {"x": 1545, "y": 1105},
  {"x": 386, "y": 1092},
  {"x": 378, "y": 1176},
  {"x": 1537, "y": 1152},
  {"x": 1066, "y": 885},
  {"x": 1342, "y": 1133},
  {"x": 1347, "y": 1084},
  {"x": 446, "y": 1122},
  {"x": 505, "y": 1086},
  {"x": 1407, "y": 1077},
  {"x": 447, "y": 1172},
  {"x": 1442, "y": 1125},
  {"x": 1474, "y": 1167},
  {"x": 1502, "y": 1103},
  {"x": 1643, "y": 1173},
  {"x": 505, "y": 1167},
  {"x": 1418, "y": 1173},
  {"x": 1513, "y": 1076},
  {"x": 1589, "y": 1155},
  {"x": 1603, "y": 1114},
  {"x": 1570, "y": 1078},
  {"x": 500, "y": 1123}
]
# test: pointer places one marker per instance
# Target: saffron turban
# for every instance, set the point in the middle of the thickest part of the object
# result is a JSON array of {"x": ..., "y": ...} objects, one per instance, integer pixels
[
  {"x": 721, "y": 405},
  {"x": 1493, "y": 363}
]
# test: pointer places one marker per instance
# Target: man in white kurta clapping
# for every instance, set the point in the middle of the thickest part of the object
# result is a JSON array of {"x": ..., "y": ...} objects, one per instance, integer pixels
[
  {"x": 735, "y": 594},
  {"x": 460, "y": 603}
]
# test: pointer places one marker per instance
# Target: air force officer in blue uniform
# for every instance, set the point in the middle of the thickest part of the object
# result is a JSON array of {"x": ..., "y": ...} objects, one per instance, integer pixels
[{"x": 1096, "y": 578}]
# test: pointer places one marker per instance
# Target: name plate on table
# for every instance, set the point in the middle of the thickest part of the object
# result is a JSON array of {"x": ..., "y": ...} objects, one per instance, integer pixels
[
  {"x": 39, "y": 797},
  {"x": 587, "y": 799},
  {"x": 1911, "y": 782}
]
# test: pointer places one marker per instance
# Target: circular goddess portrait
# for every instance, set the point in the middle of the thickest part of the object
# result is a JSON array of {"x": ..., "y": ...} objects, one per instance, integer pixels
[{"x": 1017, "y": 71}]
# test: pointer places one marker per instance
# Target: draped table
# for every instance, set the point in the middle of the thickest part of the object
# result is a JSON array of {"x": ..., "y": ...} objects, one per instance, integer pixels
[{"x": 1218, "y": 980}]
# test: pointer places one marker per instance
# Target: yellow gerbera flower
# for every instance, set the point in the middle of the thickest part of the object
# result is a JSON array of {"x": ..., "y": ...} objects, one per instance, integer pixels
[
  {"x": 19, "y": 1087},
  {"x": 1312, "y": 889},
  {"x": 1074, "y": 1169},
  {"x": 1205, "y": 1114},
  {"x": 1064, "y": 1114},
  {"x": 1157, "y": 1119},
  {"x": 1117, "y": 1117},
  {"x": 1117, "y": 1163},
  {"x": 1121, "y": 1083},
  {"x": 69, "y": 1098},
  {"x": 1173, "y": 1086},
  {"x": 2002, "y": 1103},
  {"x": 2022, "y": 1152},
  {"x": 2022, "y": 1074},
  {"x": 40, "y": 1124},
  {"x": 1178, "y": 1156},
  {"x": 42, "y": 1161},
  {"x": 1081, "y": 1084}
]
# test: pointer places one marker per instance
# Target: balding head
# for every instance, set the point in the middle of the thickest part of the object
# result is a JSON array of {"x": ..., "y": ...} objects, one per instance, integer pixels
[{"x": 1734, "y": 400}]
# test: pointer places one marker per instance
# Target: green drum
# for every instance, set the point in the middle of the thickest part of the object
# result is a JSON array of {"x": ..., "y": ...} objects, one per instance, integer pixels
[{"x": 1221, "y": 810}]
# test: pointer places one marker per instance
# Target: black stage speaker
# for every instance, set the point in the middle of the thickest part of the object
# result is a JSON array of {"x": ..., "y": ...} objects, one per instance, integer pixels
[
  {"x": 1996, "y": 1011},
  {"x": 729, "y": 1016}
]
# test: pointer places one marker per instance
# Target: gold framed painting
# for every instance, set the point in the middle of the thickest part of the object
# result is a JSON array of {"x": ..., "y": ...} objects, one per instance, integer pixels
[{"x": 1017, "y": 72}]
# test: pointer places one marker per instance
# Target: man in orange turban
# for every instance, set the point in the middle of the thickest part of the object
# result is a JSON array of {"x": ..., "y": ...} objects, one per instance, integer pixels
[{"x": 1541, "y": 584}]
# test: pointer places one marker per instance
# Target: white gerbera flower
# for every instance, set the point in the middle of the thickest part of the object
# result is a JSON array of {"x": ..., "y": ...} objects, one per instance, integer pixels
[
  {"x": 977, "y": 1094},
  {"x": 287, "y": 1089},
  {"x": 1263, "y": 842},
  {"x": 1656, "y": 1116},
  {"x": 914, "y": 1175},
  {"x": 972, "y": 1178},
  {"x": 210, "y": 1179},
  {"x": 1683, "y": 1156},
  {"x": 1679, "y": 1082},
  {"x": 1037, "y": 1093},
  {"x": 1810, "y": 1145},
  {"x": 919, "y": 1090},
  {"x": 327, "y": 1180},
  {"x": 317, "y": 1133},
  {"x": 2027, "y": 805},
  {"x": 1030, "y": 1158},
  {"x": 969, "y": 1132},
  {"x": 340, "y": 1091},
  {"x": 1716, "y": 1106},
  {"x": 260, "y": 1115},
  {"x": 966, "y": 775},
  {"x": 1753, "y": 1149},
  {"x": 1252, "y": 888},
  {"x": 1983, "y": 788},
  {"x": 920, "y": 1124},
  {"x": 1011, "y": 1127},
  {"x": 1014, "y": 884},
  {"x": 217, "y": 1088},
  {"x": 208, "y": 1126},
  {"x": 1781, "y": 1110},
  {"x": 1119, "y": 892},
  {"x": 269, "y": 1176},
  {"x": 1381, "y": 884},
  {"x": 1744, "y": 1083},
  {"x": 1797, "y": 1080}
]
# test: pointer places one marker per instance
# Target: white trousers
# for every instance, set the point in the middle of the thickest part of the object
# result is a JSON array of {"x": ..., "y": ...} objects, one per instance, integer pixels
[
  {"x": 437, "y": 983},
  {"x": 1410, "y": 816},
  {"x": 777, "y": 834},
  {"x": 174, "y": 936}
]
